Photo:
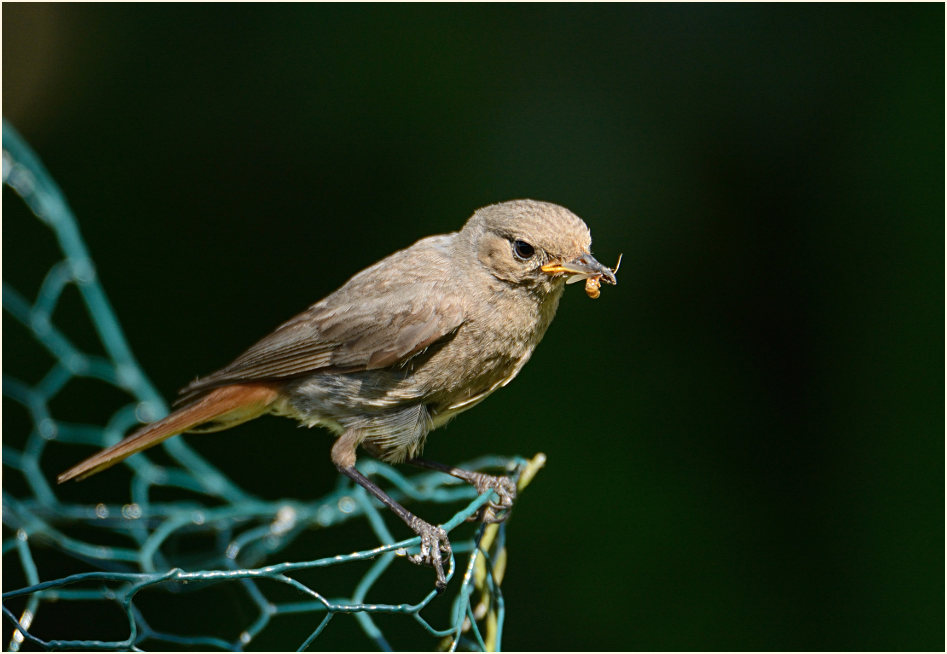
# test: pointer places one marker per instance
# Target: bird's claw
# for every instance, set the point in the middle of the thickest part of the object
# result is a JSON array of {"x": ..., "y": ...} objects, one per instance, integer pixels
[
  {"x": 499, "y": 509},
  {"x": 434, "y": 542}
]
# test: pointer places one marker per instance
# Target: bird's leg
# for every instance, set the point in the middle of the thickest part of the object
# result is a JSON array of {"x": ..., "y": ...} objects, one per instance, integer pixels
[
  {"x": 434, "y": 539},
  {"x": 505, "y": 488}
]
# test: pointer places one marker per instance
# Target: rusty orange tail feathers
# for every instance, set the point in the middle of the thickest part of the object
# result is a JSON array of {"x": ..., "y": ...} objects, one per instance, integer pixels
[{"x": 230, "y": 405}]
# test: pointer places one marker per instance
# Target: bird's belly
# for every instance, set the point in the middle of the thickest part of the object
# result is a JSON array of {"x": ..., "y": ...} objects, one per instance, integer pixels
[
  {"x": 396, "y": 408},
  {"x": 476, "y": 393}
]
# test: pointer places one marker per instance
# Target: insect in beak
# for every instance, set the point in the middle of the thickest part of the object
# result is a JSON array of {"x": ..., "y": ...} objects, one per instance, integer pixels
[{"x": 585, "y": 267}]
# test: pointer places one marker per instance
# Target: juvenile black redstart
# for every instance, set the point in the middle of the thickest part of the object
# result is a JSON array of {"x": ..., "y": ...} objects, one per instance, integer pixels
[{"x": 400, "y": 349}]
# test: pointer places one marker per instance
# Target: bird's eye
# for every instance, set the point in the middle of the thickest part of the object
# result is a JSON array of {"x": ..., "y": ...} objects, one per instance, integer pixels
[{"x": 523, "y": 250}]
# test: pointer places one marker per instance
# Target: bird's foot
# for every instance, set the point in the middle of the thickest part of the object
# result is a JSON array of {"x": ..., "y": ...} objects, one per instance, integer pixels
[
  {"x": 495, "y": 510},
  {"x": 435, "y": 549}
]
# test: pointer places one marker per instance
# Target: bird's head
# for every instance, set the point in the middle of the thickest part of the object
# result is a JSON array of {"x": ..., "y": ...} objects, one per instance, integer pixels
[{"x": 532, "y": 244}]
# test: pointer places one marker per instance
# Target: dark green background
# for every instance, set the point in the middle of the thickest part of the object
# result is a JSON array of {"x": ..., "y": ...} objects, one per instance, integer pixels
[{"x": 745, "y": 437}]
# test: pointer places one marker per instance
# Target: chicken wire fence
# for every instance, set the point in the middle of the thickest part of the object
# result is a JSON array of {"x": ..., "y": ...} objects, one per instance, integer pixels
[{"x": 201, "y": 570}]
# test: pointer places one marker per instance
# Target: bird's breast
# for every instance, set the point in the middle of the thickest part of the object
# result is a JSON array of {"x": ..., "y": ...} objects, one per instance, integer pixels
[{"x": 486, "y": 355}]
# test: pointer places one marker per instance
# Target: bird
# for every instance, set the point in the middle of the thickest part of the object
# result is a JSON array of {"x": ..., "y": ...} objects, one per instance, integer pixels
[{"x": 400, "y": 349}]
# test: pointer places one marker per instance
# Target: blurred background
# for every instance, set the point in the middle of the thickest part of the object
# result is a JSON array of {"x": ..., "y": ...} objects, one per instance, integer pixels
[{"x": 745, "y": 437}]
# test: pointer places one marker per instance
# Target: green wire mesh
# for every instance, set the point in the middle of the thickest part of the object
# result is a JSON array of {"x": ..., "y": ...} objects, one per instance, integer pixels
[{"x": 213, "y": 547}]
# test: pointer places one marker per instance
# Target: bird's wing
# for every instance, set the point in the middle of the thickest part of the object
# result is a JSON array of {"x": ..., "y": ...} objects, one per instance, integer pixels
[{"x": 375, "y": 320}]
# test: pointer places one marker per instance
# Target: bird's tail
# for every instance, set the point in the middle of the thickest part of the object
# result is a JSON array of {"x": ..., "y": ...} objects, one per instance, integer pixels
[{"x": 227, "y": 406}]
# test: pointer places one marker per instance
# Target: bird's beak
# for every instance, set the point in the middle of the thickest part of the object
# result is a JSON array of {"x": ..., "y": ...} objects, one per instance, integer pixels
[{"x": 580, "y": 268}]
